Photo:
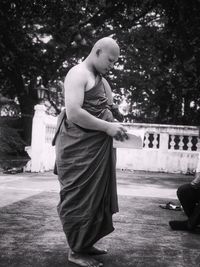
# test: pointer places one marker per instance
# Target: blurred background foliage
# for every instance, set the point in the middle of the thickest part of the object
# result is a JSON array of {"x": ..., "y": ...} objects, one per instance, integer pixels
[{"x": 158, "y": 72}]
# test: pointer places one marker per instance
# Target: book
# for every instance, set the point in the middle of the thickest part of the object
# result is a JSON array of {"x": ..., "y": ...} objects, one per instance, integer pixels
[{"x": 135, "y": 140}]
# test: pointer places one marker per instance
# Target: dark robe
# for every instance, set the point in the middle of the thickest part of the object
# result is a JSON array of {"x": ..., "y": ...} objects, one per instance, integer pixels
[{"x": 85, "y": 164}]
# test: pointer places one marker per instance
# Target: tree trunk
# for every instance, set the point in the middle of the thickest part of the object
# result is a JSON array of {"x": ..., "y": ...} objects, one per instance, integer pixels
[
  {"x": 27, "y": 101},
  {"x": 27, "y": 112}
]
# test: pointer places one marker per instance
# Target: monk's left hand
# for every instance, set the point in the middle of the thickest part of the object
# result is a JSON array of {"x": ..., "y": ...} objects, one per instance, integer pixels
[{"x": 121, "y": 134}]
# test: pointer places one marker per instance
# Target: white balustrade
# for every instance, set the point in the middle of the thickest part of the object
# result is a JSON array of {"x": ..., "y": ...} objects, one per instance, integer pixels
[
  {"x": 166, "y": 148},
  {"x": 170, "y": 150}
]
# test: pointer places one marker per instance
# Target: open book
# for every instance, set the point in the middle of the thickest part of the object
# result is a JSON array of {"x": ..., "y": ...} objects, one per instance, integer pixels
[{"x": 136, "y": 138}]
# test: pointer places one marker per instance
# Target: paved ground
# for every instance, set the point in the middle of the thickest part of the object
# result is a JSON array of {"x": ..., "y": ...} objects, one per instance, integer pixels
[
  {"x": 15, "y": 187},
  {"x": 142, "y": 237}
]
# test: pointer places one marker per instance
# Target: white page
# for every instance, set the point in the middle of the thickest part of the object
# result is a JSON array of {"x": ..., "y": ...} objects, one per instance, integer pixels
[{"x": 136, "y": 138}]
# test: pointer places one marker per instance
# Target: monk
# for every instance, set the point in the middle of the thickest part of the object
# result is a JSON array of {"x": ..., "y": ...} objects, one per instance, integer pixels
[{"x": 85, "y": 158}]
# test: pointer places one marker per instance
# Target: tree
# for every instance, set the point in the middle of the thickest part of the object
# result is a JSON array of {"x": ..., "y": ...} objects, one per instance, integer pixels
[
  {"x": 158, "y": 69},
  {"x": 183, "y": 54},
  {"x": 161, "y": 65},
  {"x": 43, "y": 38}
]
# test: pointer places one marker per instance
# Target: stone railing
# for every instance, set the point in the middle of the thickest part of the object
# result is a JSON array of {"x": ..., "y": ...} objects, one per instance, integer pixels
[{"x": 166, "y": 148}]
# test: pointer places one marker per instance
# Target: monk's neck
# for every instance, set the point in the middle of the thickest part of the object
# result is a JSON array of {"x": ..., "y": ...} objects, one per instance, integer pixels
[{"x": 91, "y": 67}]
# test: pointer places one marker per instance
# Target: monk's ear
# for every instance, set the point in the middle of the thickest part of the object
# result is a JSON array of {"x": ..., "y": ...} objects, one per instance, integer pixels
[{"x": 98, "y": 51}]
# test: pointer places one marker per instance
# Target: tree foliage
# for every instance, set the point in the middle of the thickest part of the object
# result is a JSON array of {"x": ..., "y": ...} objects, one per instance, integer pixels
[
  {"x": 158, "y": 70},
  {"x": 161, "y": 63}
]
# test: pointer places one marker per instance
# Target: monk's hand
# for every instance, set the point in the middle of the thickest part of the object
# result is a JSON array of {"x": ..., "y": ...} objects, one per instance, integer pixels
[{"x": 117, "y": 131}]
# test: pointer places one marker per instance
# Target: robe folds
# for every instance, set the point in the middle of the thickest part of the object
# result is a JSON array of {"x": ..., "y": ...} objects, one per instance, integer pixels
[{"x": 85, "y": 165}]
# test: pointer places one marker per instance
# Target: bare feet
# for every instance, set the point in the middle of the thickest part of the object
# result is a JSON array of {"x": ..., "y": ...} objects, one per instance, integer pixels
[
  {"x": 95, "y": 251},
  {"x": 83, "y": 260}
]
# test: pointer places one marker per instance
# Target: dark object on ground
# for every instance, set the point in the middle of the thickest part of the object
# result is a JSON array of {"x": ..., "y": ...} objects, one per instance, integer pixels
[
  {"x": 179, "y": 225},
  {"x": 170, "y": 206},
  {"x": 189, "y": 197},
  {"x": 8, "y": 162},
  {"x": 184, "y": 226},
  {"x": 13, "y": 170}
]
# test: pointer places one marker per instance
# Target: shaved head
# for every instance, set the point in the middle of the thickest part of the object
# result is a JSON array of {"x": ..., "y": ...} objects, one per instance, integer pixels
[
  {"x": 104, "y": 54},
  {"x": 106, "y": 43}
]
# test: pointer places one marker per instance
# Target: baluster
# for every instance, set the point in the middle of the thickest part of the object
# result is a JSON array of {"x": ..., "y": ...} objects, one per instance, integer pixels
[
  {"x": 146, "y": 141},
  {"x": 181, "y": 144},
  {"x": 189, "y": 144},
  {"x": 155, "y": 141},
  {"x": 172, "y": 143}
]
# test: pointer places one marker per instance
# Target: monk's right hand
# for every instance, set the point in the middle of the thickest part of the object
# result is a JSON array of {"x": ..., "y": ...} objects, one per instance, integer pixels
[{"x": 117, "y": 131}]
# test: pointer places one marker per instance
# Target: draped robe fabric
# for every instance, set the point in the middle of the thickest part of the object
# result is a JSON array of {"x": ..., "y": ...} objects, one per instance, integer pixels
[{"x": 85, "y": 164}]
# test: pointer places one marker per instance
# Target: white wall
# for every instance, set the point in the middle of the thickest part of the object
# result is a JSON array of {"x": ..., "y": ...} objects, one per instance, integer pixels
[
  {"x": 160, "y": 153},
  {"x": 157, "y": 161},
  {"x": 160, "y": 157}
]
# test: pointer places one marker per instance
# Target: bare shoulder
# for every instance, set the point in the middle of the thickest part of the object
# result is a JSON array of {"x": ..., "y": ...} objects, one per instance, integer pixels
[{"x": 77, "y": 73}]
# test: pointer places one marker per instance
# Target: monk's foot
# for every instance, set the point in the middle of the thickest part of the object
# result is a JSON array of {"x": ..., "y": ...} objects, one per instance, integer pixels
[
  {"x": 83, "y": 260},
  {"x": 95, "y": 251}
]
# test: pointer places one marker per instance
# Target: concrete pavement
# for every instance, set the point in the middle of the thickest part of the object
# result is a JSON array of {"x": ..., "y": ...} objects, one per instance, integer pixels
[
  {"x": 15, "y": 187},
  {"x": 31, "y": 233}
]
